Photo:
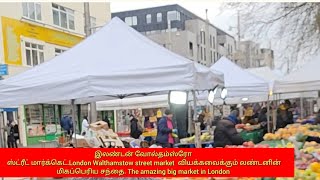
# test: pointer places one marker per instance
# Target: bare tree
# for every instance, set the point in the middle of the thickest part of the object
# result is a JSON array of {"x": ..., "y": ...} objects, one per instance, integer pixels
[{"x": 292, "y": 27}]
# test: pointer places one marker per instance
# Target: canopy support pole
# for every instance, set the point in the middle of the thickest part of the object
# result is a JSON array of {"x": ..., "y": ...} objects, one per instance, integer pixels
[
  {"x": 197, "y": 124},
  {"x": 301, "y": 108},
  {"x": 3, "y": 142},
  {"x": 268, "y": 114},
  {"x": 74, "y": 122}
]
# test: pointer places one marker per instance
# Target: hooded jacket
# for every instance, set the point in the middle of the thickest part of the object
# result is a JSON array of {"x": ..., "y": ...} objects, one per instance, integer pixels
[{"x": 226, "y": 132}]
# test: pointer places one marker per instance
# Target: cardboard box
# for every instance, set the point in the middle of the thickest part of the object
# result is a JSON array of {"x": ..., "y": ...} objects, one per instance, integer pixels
[
  {"x": 82, "y": 143},
  {"x": 99, "y": 125}
]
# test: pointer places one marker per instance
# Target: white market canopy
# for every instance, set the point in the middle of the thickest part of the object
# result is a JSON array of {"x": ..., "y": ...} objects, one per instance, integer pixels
[
  {"x": 146, "y": 102},
  {"x": 115, "y": 62},
  {"x": 305, "y": 79},
  {"x": 239, "y": 82},
  {"x": 266, "y": 73}
]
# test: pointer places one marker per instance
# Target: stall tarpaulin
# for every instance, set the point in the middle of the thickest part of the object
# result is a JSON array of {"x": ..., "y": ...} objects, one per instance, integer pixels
[
  {"x": 304, "y": 79},
  {"x": 115, "y": 62},
  {"x": 239, "y": 82}
]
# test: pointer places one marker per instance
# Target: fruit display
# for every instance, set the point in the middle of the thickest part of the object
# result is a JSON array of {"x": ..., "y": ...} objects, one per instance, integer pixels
[
  {"x": 249, "y": 145},
  {"x": 304, "y": 161},
  {"x": 311, "y": 147},
  {"x": 271, "y": 136},
  {"x": 306, "y": 175},
  {"x": 292, "y": 130},
  {"x": 205, "y": 137}
]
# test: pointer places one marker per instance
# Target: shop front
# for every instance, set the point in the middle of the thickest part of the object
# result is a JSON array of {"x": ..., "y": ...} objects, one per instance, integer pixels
[
  {"x": 107, "y": 115},
  {"x": 43, "y": 120}
]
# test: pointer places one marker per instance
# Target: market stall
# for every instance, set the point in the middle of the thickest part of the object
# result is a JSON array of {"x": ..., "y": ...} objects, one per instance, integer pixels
[{"x": 78, "y": 76}]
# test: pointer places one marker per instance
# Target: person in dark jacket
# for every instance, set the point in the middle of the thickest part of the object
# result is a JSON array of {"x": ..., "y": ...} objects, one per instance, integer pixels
[
  {"x": 12, "y": 141},
  {"x": 226, "y": 132},
  {"x": 66, "y": 124},
  {"x": 201, "y": 120},
  {"x": 289, "y": 111},
  {"x": 135, "y": 130},
  {"x": 165, "y": 129},
  {"x": 106, "y": 119},
  {"x": 263, "y": 119},
  {"x": 282, "y": 116}
]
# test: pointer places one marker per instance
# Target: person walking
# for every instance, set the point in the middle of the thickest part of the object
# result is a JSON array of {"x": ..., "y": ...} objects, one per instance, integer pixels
[
  {"x": 84, "y": 126},
  {"x": 165, "y": 130}
]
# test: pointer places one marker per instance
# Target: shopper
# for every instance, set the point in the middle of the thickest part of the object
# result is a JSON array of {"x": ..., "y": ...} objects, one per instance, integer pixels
[
  {"x": 201, "y": 120},
  {"x": 12, "y": 141},
  {"x": 135, "y": 128},
  {"x": 106, "y": 119},
  {"x": 289, "y": 111},
  {"x": 263, "y": 119},
  {"x": 165, "y": 130},
  {"x": 226, "y": 132},
  {"x": 317, "y": 119},
  {"x": 282, "y": 116},
  {"x": 66, "y": 124},
  {"x": 85, "y": 126}
]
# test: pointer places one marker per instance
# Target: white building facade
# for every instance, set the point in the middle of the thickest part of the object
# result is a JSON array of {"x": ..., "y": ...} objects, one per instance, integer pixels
[{"x": 32, "y": 33}]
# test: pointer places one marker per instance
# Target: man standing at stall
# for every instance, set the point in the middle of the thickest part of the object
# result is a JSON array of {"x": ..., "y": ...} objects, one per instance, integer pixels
[{"x": 226, "y": 131}]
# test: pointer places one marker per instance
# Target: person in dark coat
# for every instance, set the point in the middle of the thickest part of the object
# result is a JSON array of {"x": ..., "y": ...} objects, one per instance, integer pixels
[
  {"x": 165, "y": 129},
  {"x": 12, "y": 141},
  {"x": 282, "y": 116},
  {"x": 289, "y": 110},
  {"x": 66, "y": 124},
  {"x": 201, "y": 120},
  {"x": 106, "y": 119},
  {"x": 135, "y": 130},
  {"x": 263, "y": 119},
  {"x": 226, "y": 132}
]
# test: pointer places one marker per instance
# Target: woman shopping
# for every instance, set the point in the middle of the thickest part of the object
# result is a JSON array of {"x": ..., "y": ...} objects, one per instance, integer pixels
[{"x": 165, "y": 130}]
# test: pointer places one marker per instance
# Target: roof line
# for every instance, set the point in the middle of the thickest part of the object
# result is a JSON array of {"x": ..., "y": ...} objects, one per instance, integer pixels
[{"x": 219, "y": 29}]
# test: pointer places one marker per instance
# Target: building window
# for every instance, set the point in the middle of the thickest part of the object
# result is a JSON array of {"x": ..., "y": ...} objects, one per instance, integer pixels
[
  {"x": 34, "y": 54},
  {"x": 211, "y": 56},
  {"x": 202, "y": 37},
  {"x": 213, "y": 42},
  {"x": 93, "y": 25},
  {"x": 205, "y": 54},
  {"x": 198, "y": 51},
  {"x": 201, "y": 52},
  {"x": 32, "y": 10},
  {"x": 59, "y": 51},
  {"x": 159, "y": 17},
  {"x": 148, "y": 18},
  {"x": 191, "y": 49},
  {"x": 131, "y": 21},
  {"x": 210, "y": 41},
  {"x": 173, "y": 16},
  {"x": 63, "y": 17}
]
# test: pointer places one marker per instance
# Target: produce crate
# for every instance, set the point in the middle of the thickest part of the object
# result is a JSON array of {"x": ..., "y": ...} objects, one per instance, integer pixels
[
  {"x": 254, "y": 136},
  {"x": 274, "y": 143}
]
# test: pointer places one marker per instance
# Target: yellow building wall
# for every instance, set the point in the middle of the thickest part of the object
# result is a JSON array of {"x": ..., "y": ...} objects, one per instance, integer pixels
[{"x": 13, "y": 29}]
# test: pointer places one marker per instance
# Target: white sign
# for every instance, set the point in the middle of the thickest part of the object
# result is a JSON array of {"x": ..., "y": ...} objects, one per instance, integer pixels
[{"x": 226, "y": 110}]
